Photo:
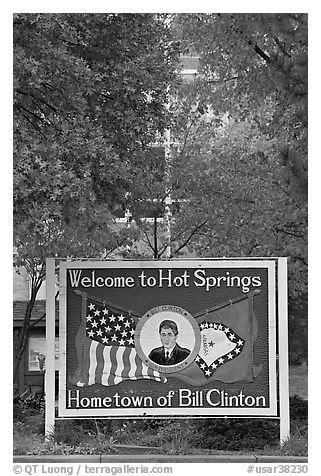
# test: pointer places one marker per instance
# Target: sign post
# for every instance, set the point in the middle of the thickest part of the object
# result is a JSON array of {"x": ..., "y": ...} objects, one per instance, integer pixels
[
  {"x": 50, "y": 348},
  {"x": 181, "y": 338},
  {"x": 283, "y": 351}
]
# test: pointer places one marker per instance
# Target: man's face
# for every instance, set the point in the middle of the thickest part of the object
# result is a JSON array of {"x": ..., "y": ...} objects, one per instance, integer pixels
[{"x": 167, "y": 337}]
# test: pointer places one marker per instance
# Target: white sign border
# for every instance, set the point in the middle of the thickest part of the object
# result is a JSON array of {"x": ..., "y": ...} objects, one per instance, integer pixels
[{"x": 270, "y": 411}]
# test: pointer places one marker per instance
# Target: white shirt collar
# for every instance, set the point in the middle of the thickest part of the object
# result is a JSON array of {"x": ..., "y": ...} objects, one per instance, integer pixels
[{"x": 169, "y": 351}]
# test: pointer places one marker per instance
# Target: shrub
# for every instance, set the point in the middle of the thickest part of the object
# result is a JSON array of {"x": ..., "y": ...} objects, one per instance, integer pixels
[
  {"x": 175, "y": 437},
  {"x": 184, "y": 436},
  {"x": 298, "y": 408},
  {"x": 298, "y": 329},
  {"x": 297, "y": 444},
  {"x": 28, "y": 404},
  {"x": 251, "y": 434},
  {"x": 25, "y": 441},
  {"x": 235, "y": 434}
]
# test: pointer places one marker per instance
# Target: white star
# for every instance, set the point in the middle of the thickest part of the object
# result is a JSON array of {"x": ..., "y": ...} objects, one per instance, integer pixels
[
  {"x": 237, "y": 350},
  {"x": 208, "y": 373},
  {"x": 124, "y": 333},
  {"x": 117, "y": 327},
  {"x": 105, "y": 311},
  {"x": 91, "y": 334},
  {"x": 97, "y": 312},
  {"x": 108, "y": 329},
  {"x": 121, "y": 317},
  {"x": 211, "y": 324},
  {"x": 112, "y": 318},
  {"x": 105, "y": 340},
  {"x": 91, "y": 306},
  {"x": 226, "y": 329},
  {"x": 220, "y": 327},
  {"x": 202, "y": 366},
  {"x": 94, "y": 324},
  {"x": 230, "y": 356},
  {"x": 202, "y": 326},
  {"x": 114, "y": 338},
  {"x": 231, "y": 336},
  {"x": 99, "y": 332},
  {"x": 215, "y": 325},
  {"x": 89, "y": 317},
  {"x": 130, "y": 341},
  {"x": 214, "y": 366},
  {"x": 102, "y": 321},
  {"x": 197, "y": 359},
  {"x": 132, "y": 331},
  {"x": 121, "y": 342},
  {"x": 127, "y": 324},
  {"x": 240, "y": 342},
  {"x": 221, "y": 361}
]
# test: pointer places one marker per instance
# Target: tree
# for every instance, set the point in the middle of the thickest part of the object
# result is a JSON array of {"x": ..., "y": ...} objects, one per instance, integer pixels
[
  {"x": 240, "y": 168},
  {"x": 91, "y": 102},
  {"x": 90, "y": 90},
  {"x": 253, "y": 70},
  {"x": 89, "y": 96}
]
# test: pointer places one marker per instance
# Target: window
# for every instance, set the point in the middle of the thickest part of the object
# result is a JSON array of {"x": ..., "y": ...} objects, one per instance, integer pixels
[{"x": 37, "y": 354}]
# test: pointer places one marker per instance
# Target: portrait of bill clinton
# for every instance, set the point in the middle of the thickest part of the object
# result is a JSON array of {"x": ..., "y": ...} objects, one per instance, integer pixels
[{"x": 170, "y": 353}]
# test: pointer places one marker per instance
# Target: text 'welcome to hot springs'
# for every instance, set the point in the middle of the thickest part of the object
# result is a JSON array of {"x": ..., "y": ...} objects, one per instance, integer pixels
[{"x": 169, "y": 278}]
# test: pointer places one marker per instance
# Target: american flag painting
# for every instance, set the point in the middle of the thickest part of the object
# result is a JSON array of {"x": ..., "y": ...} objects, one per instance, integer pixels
[
  {"x": 105, "y": 348},
  {"x": 106, "y": 352}
]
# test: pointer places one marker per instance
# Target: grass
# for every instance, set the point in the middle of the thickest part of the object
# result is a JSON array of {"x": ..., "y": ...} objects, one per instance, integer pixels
[
  {"x": 299, "y": 381},
  {"x": 173, "y": 438},
  {"x": 190, "y": 437}
]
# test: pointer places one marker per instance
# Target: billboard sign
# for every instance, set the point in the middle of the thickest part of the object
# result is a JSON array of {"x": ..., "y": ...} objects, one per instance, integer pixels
[{"x": 174, "y": 338}]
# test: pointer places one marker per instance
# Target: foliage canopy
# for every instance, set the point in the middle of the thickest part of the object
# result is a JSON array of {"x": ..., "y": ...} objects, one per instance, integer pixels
[{"x": 91, "y": 99}]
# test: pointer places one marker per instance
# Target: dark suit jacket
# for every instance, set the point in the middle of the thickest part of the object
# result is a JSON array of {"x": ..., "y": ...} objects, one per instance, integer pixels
[{"x": 178, "y": 355}]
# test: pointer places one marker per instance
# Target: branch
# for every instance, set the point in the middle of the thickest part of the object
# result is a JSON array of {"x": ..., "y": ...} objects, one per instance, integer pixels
[
  {"x": 148, "y": 241},
  {"x": 44, "y": 102},
  {"x": 191, "y": 235},
  {"x": 45, "y": 116},
  {"x": 274, "y": 182},
  {"x": 164, "y": 247},
  {"x": 282, "y": 230},
  {"x": 35, "y": 126},
  {"x": 187, "y": 239},
  {"x": 281, "y": 46},
  {"x": 221, "y": 81},
  {"x": 32, "y": 324},
  {"x": 256, "y": 48},
  {"x": 260, "y": 52},
  {"x": 23, "y": 93},
  {"x": 116, "y": 247},
  {"x": 299, "y": 258},
  {"x": 41, "y": 274},
  {"x": 110, "y": 251},
  {"x": 155, "y": 237},
  {"x": 51, "y": 87},
  {"x": 185, "y": 140},
  {"x": 22, "y": 108},
  {"x": 180, "y": 234}
]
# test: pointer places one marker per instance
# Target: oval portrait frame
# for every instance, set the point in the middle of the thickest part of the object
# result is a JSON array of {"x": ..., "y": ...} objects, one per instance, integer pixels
[{"x": 151, "y": 320}]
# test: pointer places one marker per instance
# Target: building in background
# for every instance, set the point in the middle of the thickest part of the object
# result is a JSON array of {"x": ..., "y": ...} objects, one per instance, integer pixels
[{"x": 32, "y": 365}]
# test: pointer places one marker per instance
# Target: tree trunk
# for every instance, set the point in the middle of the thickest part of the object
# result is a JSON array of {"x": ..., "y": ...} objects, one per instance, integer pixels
[
  {"x": 155, "y": 236},
  {"x": 23, "y": 335}
]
